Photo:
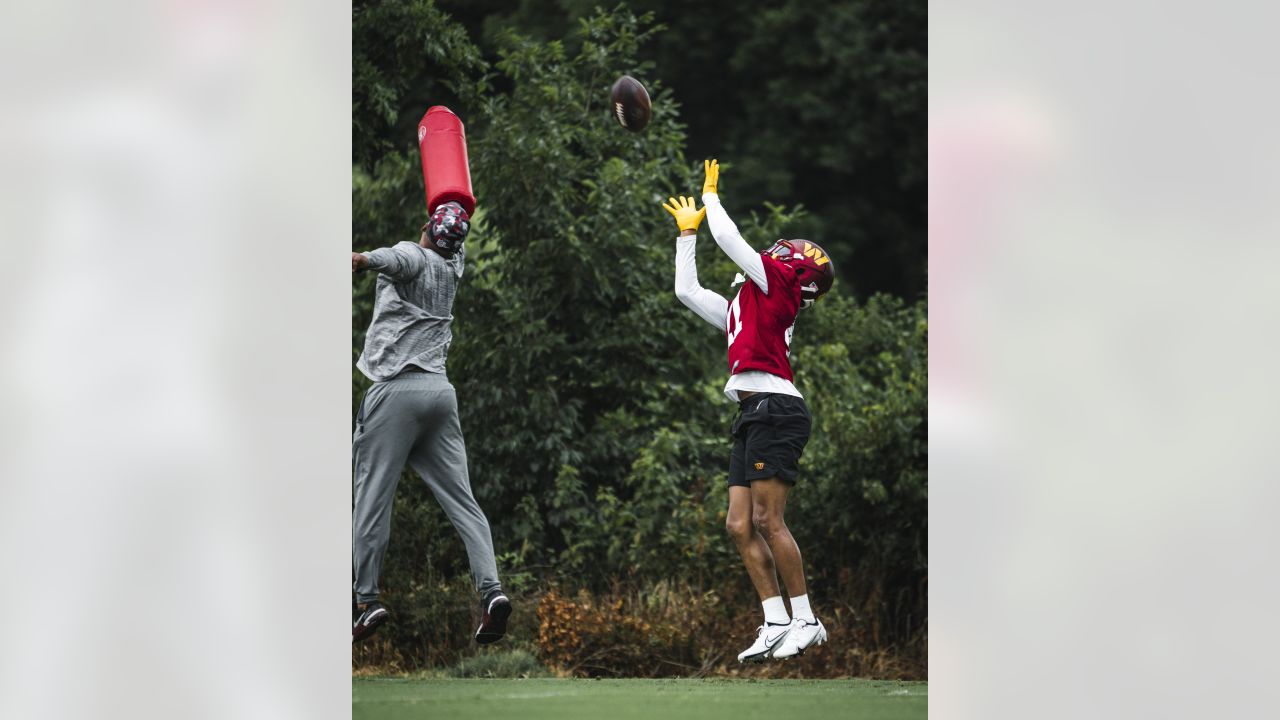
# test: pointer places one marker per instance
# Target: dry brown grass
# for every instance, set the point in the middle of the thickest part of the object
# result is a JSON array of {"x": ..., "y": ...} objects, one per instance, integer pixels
[{"x": 675, "y": 631}]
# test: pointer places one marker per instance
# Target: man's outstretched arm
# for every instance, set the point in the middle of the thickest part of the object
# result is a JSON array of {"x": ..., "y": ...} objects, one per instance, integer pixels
[
  {"x": 401, "y": 262},
  {"x": 726, "y": 233},
  {"x": 706, "y": 304}
]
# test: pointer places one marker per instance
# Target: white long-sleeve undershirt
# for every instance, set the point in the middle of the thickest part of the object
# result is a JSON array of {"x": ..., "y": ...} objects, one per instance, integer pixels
[
  {"x": 706, "y": 304},
  {"x": 731, "y": 242}
]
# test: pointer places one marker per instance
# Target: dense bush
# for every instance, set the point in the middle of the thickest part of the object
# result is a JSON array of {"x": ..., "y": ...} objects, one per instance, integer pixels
[{"x": 591, "y": 399}]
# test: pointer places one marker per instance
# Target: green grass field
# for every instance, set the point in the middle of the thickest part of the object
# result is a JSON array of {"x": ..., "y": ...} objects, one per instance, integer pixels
[{"x": 559, "y": 699}]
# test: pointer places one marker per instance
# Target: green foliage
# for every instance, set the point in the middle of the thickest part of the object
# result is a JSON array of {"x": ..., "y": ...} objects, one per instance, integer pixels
[
  {"x": 851, "y": 77},
  {"x": 820, "y": 102},
  {"x": 403, "y": 51},
  {"x": 591, "y": 399},
  {"x": 865, "y": 501},
  {"x": 569, "y": 302}
]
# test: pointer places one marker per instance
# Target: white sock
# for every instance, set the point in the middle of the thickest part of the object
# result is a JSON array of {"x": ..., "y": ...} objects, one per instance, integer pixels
[
  {"x": 775, "y": 611},
  {"x": 800, "y": 608}
]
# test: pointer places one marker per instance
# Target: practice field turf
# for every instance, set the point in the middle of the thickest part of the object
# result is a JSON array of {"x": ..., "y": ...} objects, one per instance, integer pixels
[{"x": 557, "y": 699}]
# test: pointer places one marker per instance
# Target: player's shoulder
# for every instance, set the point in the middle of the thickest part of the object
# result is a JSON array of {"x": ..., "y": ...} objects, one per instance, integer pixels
[
  {"x": 775, "y": 268},
  {"x": 408, "y": 246},
  {"x": 422, "y": 262}
]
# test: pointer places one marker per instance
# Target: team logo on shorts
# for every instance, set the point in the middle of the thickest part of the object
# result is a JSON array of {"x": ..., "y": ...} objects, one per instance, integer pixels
[{"x": 759, "y": 466}]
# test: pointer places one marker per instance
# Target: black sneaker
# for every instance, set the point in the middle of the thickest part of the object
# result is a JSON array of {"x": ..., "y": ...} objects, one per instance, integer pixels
[
  {"x": 364, "y": 623},
  {"x": 497, "y": 608}
]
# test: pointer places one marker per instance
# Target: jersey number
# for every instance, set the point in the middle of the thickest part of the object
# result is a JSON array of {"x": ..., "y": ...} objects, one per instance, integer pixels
[{"x": 733, "y": 323}]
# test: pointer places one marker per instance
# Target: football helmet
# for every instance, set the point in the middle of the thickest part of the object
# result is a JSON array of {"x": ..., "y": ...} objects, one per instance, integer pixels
[
  {"x": 448, "y": 227},
  {"x": 811, "y": 264}
]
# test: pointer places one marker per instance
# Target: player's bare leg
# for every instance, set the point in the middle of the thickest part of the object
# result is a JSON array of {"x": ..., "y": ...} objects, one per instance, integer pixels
[
  {"x": 751, "y": 545},
  {"x": 768, "y": 506},
  {"x": 759, "y": 561},
  {"x": 768, "y": 503}
]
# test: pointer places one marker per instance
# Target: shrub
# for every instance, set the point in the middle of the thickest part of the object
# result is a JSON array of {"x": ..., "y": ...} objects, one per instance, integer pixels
[
  {"x": 500, "y": 664},
  {"x": 649, "y": 634}
]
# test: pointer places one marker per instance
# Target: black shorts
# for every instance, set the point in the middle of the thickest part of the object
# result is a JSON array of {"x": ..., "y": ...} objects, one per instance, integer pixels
[{"x": 768, "y": 436}]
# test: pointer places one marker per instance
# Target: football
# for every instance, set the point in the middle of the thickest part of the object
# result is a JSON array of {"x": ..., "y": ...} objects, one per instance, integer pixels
[{"x": 630, "y": 103}]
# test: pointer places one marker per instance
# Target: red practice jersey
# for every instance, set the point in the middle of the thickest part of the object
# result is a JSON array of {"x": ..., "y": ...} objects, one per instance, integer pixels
[{"x": 759, "y": 326}]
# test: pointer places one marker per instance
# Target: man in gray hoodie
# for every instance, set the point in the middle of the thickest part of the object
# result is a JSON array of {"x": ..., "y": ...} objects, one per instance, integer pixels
[{"x": 410, "y": 414}]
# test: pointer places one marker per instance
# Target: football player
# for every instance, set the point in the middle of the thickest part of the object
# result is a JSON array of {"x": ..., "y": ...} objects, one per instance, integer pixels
[
  {"x": 773, "y": 422},
  {"x": 410, "y": 414}
]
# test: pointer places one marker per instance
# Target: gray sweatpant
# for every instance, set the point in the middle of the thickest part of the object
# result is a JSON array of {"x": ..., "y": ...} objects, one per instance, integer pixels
[{"x": 413, "y": 417}]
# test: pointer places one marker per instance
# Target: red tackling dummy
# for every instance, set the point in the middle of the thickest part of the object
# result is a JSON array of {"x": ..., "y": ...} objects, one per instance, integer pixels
[{"x": 445, "y": 171}]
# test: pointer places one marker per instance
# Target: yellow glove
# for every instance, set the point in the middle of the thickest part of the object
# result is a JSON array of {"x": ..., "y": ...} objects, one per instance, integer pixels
[
  {"x": 687, "y": 218},
  {"x": 712, "y": 168}
]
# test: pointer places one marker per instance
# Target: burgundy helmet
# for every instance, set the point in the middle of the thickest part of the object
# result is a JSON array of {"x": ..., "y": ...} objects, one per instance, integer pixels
[
  {"x": 812, "y": 265},
  {"x": 448, "y": 227}
]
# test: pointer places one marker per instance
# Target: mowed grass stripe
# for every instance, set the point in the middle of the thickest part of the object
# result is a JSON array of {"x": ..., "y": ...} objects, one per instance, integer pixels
[{"x": 562, "y": 699}]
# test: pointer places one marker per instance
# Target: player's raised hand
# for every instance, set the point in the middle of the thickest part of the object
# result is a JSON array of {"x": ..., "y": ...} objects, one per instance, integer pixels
[
  {"x": 712, "y": 169},
  {"x": 358, "y": 261},
  {"x": 685, "y": 211}
]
